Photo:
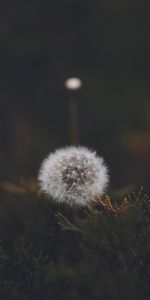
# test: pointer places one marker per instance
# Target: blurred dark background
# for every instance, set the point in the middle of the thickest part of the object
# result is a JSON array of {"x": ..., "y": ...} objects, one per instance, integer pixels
[{"x": 106, "y": 43}]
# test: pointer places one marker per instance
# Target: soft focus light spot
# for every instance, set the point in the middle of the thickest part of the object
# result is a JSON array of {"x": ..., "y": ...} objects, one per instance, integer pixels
[{"x": 73, "y": 83}]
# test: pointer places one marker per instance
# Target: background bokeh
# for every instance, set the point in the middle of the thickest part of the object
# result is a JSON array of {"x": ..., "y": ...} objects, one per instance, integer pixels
[{"x": 104, "y": 42}]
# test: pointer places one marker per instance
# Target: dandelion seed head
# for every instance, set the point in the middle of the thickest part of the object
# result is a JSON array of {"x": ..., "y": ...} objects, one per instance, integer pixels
[{"x": 73, "y": 175}]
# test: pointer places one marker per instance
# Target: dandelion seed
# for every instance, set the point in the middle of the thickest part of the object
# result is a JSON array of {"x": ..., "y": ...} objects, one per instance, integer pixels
[{"x": 73, "y": 175}]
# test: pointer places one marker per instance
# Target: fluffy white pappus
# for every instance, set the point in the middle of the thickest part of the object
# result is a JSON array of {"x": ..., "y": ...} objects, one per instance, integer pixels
[{"x": 73, "y": 175}]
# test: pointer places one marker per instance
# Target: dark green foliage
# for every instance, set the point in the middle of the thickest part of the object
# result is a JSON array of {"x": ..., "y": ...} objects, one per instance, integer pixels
[{"x": 52, "y": 251}]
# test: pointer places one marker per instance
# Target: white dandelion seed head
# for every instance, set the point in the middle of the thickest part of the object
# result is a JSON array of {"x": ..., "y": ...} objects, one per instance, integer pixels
[{"x": 73, "y": 175}]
